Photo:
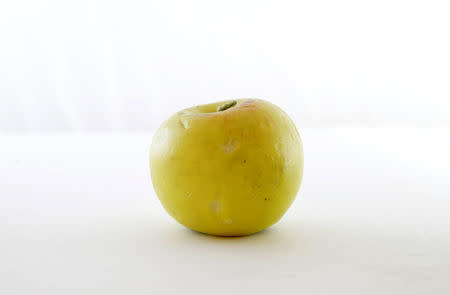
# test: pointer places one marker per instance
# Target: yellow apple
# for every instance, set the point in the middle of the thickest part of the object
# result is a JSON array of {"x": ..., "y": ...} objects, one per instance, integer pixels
[{"x": 229, "y": 168}]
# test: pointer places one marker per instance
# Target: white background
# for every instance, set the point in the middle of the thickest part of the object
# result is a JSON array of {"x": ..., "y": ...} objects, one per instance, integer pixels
[
  {"x": 78, "y": 215},
  {"x": 84, "y": 84},
  {"x": 127, "y": 65}
]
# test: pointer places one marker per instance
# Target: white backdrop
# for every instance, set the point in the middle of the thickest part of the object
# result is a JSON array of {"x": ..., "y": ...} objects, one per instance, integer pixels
[
  {"x": 78, "y": 213},
  {"x": 101, "y": 65}
]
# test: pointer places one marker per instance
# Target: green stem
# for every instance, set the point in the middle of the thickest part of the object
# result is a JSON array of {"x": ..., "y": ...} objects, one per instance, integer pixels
[{"x": 226, "y": 106}]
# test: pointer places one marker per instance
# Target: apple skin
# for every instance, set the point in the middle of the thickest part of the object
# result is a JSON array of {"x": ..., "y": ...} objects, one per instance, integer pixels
[{"x": 228, "y": 173}]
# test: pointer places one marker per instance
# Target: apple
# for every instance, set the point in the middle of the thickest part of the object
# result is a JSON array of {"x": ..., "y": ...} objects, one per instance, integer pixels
[{"x": 229, "y": 168}]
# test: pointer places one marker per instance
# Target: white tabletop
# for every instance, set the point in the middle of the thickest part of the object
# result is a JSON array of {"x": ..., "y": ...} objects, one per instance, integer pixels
[{"x": 78, "y": 215}]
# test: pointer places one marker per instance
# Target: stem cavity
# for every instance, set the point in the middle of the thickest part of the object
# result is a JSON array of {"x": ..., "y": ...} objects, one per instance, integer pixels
[{"x": 226, "y": 106}]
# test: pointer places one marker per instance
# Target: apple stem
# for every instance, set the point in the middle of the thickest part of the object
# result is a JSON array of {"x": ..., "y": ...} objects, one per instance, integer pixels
[{"x": 226, "y": 106}]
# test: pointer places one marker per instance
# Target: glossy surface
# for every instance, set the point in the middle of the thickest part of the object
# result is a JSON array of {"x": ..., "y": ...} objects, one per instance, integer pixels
[{"x": 232, "y": 172}]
